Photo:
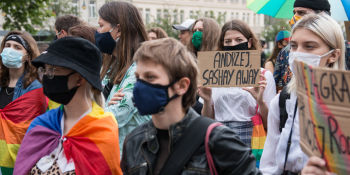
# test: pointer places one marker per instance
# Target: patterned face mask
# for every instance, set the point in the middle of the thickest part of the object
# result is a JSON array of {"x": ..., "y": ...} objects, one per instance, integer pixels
[{"x": 294, "y": 20}]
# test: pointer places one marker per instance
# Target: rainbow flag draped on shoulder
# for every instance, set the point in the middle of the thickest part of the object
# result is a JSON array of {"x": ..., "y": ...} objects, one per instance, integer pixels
[
  {"x": 15, "y": 119},
  {"x": 92, "y": 143}
]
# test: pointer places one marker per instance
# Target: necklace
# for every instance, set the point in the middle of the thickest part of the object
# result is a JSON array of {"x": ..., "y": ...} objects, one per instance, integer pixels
[{"x": 9, "y": 93}]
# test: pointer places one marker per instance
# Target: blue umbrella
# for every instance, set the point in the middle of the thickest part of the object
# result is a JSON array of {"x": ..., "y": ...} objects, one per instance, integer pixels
[{"x": 340, "y": 9}]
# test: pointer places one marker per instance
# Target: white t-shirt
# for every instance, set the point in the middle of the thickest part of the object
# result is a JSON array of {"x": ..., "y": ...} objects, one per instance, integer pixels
[
  {"x": 236, "y": 104},
  {"x": 273, "y": 157}
]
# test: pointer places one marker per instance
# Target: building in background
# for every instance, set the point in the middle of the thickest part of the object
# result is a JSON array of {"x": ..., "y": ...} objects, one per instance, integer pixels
[{"x": 177, "y": 10}]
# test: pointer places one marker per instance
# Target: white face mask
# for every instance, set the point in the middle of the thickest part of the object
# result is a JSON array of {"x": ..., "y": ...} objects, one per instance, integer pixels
[{"x": 308, "y": 58}]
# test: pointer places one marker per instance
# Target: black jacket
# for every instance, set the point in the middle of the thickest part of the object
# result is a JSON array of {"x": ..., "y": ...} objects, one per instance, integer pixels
[{"x": 230, "y": 155}]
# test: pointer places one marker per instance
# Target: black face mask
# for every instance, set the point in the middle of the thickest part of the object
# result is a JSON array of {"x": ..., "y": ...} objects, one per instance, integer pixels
[
  {"x": 242, "y": 46},
  {"x": 105, "y": 42},
  {"x": 56, "y": 89}
]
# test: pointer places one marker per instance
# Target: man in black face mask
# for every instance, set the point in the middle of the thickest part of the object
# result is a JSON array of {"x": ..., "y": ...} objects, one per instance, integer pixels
[{"x": 166, "y": 88}]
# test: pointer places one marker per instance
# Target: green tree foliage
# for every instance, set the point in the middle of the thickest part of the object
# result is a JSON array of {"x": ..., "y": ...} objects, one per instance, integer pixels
[
  {"x": 24, "y": 14},
  {"x": 64, "y": 7},
  {"x": 166, "y": 24},
  {"x": 272, "y": 27}
]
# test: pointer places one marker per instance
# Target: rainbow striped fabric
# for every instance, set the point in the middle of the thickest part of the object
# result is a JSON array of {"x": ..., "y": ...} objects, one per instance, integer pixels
[
  {"x": 15, "y": 119},
  {"x": 320, "y": 114},
  {"x": 258, "y": 138},
  {"x": 92, "y": 143},
  {"x": 258, "y": 134}
]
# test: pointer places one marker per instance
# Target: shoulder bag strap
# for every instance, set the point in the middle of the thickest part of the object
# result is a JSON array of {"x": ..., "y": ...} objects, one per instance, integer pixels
[
  {"x": 207, "y": 149},
  {"x": 183, "y": 150}
]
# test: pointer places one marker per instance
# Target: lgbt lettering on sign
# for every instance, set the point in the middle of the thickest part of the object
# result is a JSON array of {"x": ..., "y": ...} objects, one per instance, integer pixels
[{"x": 324, "y": 112}]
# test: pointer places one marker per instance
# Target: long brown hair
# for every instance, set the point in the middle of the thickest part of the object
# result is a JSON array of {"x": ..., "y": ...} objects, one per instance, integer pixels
[
  {"x": 241, "y": 27},
  {"x": 29, "y": 69},
  {"x": 276, "y": 50},
  {"x": 211, "y": 33},
  {"x": 132, "y": 34}
]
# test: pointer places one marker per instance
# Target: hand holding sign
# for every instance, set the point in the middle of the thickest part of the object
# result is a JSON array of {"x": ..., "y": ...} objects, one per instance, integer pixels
[
  {"x": 205, "y": 93},
  {"x": 258, "y": 92},
  {"x": 315, "y": 166},
  {"x": 229, "y": 68}
]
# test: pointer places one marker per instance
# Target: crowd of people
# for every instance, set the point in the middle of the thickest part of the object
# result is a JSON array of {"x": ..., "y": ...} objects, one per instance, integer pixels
[{"x": 120, "y": 99}]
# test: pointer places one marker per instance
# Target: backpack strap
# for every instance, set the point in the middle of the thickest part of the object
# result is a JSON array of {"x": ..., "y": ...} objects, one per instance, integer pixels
[
  {"x": 284, "y": 95},
  {"x": 290, "y": 137},
  {"x": 207, "y": 149},
  {"x": 183, "y": 150}
]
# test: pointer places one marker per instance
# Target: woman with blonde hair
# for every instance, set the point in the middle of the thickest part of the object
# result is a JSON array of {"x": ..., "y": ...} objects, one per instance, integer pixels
[
  {"x": 21, "y": 94},
  {"x": 323, "y": 47}
]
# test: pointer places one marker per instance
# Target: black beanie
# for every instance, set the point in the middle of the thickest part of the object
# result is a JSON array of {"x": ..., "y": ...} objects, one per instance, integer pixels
[{"x": 322, "y": 5}]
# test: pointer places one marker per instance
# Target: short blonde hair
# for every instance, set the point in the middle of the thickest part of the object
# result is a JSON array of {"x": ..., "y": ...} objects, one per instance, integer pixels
[
  {"x": 329, "y": 31},
  {"x": 176, "y": 60}
]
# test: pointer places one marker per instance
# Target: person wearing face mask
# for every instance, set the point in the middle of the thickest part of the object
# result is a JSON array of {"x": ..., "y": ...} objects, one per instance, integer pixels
[
  {"x": 236, "y": 106},
  {"x": 21, "y": 95},
  {"x": 206, "y": 33},
  {"x": 118, "y": 67},
  {"x": 166, "y": 88},
  {"x": 281, "y": 41},
  {"x": 282, "y": 72},
  {"x": 79, "y": 137},
  {"x": 323, "y": 47}
]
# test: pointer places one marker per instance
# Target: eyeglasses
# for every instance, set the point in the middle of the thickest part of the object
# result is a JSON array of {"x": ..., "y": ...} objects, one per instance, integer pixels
[{"x": 50, "y": 72}]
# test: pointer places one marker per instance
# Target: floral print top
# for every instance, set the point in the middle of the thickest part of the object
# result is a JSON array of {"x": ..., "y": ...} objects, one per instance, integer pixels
[
  {"x": 125, "y": 112},
  {"x": 282, "y": 72}
]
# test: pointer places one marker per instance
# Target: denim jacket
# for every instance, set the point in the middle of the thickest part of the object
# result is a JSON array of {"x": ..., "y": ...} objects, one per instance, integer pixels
[
  {"x": 19, "y": 89},
  {"x": 230, "y": 155}
]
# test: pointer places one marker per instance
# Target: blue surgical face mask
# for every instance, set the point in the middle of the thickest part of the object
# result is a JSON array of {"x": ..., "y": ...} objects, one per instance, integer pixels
[
  {"x": 151, "y": 98},
  {"x": 11, "y": 58},
  {"x": 105, "y": 42}
]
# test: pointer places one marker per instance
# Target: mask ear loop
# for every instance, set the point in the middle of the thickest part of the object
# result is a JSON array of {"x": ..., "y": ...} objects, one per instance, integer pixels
[
  {"x": 327, "y": 53},
  {"x": 174, "y": 96},
  {"x": 330, "y": 65},
  {"x": 171, "y": 98}
]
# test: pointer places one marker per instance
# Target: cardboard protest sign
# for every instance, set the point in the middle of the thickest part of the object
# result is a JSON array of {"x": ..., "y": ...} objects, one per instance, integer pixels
[
  {"x": 347, "y": 29},
  {"x": 229, "y": 68},
  {"x": 324, "y": 114}
]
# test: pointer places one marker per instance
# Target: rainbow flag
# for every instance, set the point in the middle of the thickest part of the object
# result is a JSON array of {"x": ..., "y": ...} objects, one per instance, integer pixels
[
  {"x": 92, "y": 143},
  {"x": 320, "y": 114},
  {"x": 258, "y": 138},
  {"x": 15, "y": 119}
]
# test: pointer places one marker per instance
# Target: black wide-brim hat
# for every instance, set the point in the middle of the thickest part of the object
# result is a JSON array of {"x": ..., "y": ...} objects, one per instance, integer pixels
[{"x": 77, "y": 54}]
